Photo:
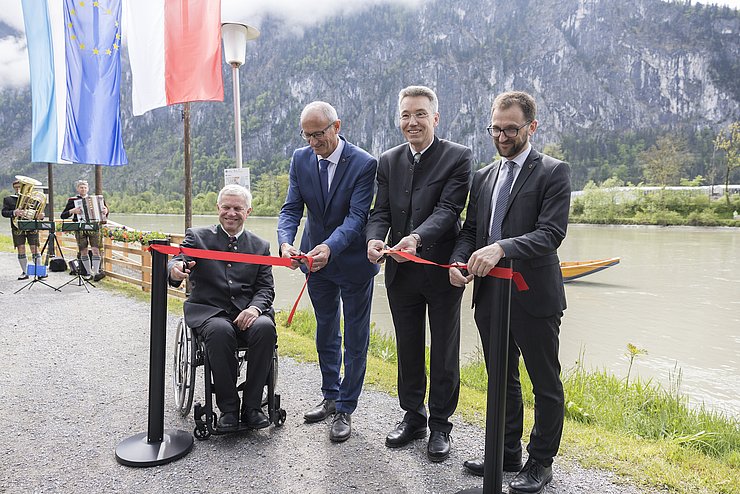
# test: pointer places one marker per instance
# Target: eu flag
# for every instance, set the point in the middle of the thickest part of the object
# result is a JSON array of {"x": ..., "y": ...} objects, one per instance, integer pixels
[{"x": 93, "y": 57}]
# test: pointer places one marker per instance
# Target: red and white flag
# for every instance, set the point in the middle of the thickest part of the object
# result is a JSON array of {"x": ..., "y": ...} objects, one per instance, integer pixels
[{"x": 174, "y": 49}]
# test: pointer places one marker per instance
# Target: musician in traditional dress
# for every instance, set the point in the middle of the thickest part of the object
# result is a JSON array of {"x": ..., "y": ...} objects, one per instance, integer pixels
[
  {"x": 86, "y": 238},
  {"x": 20, "y": 237}
]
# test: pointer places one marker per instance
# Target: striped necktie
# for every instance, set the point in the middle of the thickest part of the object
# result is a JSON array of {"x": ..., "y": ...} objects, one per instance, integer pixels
[{"x": 502, "y": 202}]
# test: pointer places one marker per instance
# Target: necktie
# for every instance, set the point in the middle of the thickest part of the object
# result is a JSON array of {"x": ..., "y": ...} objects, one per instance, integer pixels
[
  {"x": 414, "y": 164},
  {"x": 324, "y": 178},
  {"x": 501, "y": 203}
]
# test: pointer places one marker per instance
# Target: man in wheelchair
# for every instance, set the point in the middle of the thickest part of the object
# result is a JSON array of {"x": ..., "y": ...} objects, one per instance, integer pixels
[{"x": 231, "y": 303}]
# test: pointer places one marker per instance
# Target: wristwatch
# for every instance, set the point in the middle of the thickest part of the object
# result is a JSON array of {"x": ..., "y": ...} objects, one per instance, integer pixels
[{"x": 417, "y": 237}]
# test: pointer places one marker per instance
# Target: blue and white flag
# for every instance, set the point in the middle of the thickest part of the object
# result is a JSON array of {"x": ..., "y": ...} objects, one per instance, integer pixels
[{"x": 75, "y": 58}]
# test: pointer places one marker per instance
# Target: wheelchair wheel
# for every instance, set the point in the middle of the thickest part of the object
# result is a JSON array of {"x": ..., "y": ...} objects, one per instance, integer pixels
[{"x": 183, "y": 368}]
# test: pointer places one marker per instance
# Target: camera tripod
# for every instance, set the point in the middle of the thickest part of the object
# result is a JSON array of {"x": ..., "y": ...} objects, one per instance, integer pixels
[{"x": 79, "y": 278}]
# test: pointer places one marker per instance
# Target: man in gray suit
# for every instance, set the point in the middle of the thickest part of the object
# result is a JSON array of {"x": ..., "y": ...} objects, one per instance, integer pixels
[
  {"x": 518, "y": 209},
  {"x": 422, "y": 187},
  {"x": 231, "y": 301}
]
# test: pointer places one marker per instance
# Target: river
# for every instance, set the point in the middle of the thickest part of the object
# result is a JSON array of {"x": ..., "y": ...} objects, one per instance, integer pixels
[{"x": 676, "y": 294}]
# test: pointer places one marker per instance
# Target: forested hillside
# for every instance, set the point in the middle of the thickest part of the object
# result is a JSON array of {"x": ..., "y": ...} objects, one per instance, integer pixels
[{"x": 610, "y": 79}]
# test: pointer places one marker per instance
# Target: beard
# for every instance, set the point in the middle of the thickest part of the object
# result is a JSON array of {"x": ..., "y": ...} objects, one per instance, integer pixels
[{"x": 513, "y": 148}]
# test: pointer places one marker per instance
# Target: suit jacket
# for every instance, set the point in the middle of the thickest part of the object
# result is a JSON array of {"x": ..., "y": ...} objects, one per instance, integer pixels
[
  {"x": 222, "y": 287},
  {"x": 534, "y": 226},
  {"x": 432, "y": 198},
  {"x": 340, "y": 223}
]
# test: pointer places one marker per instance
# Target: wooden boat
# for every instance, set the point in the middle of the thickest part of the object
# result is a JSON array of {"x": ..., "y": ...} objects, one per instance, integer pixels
[{"x": 576, "y": 269}]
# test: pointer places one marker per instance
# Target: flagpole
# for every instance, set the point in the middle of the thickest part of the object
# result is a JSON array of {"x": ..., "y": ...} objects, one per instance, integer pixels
[
  {"x": 237, "y": 113},
  {"x": 188, "y": 166}
]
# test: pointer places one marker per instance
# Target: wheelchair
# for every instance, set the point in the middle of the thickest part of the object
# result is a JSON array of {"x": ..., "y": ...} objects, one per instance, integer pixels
[{"x": 190, "y": 353}]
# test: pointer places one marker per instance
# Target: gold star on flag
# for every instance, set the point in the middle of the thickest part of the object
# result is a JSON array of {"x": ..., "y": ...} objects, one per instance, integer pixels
[
  {"x": 69, "y": 25},
  {"x": 118, "y": 36},
  {"x": 82, "y": 4},
  {"x": 95, "y": 4},
  {"x": 74, "y": 36},
  {"x": 108, "y": 11},
  {"x": 72, "y": 12},
  {"x": 108, "y": 52},
  {"x": 115, "y": 46},
  {"x": 82, "y": 46},
  {"x": 96, "y": 51}
]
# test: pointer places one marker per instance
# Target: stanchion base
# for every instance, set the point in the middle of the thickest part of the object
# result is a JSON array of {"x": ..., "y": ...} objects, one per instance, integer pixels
[{"x": 137, "y": 452}]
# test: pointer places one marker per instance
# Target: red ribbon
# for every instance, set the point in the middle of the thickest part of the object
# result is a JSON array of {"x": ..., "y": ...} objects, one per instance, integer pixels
[
  {"x": 219, "y": 255},
  {"x": 496, "y": 272}
]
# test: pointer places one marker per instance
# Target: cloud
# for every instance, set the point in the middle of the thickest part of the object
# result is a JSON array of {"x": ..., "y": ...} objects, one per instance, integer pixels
[
  {"x": 14, "y": 71},
  {"x": 299, "y": 14}
]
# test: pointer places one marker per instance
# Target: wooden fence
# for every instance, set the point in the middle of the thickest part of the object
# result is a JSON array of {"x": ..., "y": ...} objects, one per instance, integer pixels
[{"x": 125, "y": 261}]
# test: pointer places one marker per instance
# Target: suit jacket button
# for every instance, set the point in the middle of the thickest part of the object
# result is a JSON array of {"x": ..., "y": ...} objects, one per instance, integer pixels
[
  {"x": 231, "y": 281},
  {"x": 228, "y": 265}
]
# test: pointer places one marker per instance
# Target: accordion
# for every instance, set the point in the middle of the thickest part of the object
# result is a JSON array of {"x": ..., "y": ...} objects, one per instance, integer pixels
[{"x": 92, "y": 209}]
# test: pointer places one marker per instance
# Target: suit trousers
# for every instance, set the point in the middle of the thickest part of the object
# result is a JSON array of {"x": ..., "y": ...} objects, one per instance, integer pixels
[
  {"x": 411, "y": 296},
  {"x": 537, "y": 341},
  {"x": 221, "y": 337},
  {"x": 326, "y": 294}
]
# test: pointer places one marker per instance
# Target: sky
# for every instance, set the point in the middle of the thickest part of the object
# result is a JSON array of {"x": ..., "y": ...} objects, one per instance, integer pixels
[{"x": 295, "y": 14}]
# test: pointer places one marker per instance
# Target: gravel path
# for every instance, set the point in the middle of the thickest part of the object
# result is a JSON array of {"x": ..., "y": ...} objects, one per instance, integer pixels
[{"x": 74, "y": 384}]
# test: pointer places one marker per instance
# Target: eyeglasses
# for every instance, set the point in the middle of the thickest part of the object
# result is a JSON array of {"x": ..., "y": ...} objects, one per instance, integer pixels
[
  {"x": 511, "y": 132},
  {"x": 420, "y": 115},
  {"x": 316, "y": 135}
]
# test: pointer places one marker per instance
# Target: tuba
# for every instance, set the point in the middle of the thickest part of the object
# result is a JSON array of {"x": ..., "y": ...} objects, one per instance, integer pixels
[{"x": 30, "y": 202}]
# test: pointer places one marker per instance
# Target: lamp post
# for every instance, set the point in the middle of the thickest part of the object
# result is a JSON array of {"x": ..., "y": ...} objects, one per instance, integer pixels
[{"x": 235, "y": 36}]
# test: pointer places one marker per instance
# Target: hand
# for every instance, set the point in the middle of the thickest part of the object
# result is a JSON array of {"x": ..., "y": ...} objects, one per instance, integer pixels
[
  {"x": 246, "y": 318},
  {"x": 288, "y": 250},
  {"x": 18, "y": 213},
  {"x": 406, "y": 244},
  {"x": 75, "y": 210},
  {"x": 374, "y": 249},
  {"x": 104, "y": 210},
  {"x": 320, "y": 255},
  {"x": 485, "y": 259},
  {"x": 181, "y": 270},
  {"x": 457, "y": 278}
]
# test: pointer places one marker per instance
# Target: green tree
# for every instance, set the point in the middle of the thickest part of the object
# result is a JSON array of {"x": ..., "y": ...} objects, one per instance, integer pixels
[
  {"x": 664, "y": 162},
  {"x": 728, "y": 140}
]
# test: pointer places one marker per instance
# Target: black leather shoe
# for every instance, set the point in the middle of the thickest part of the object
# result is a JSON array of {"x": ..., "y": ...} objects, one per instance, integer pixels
[
  {"x": 341, "y": 427},
  {"x": 320, "y": 411},
  {"x": 228, "y": 421},
  {"x": 23, "y": 276},
  {"x": 476, "y": 466},
  {"x": 533, "y": 477},
  {"x": 438, "y": 448},
  {"x": 254, "y": 418},
  {"x": 99, "y": 276},
  {"x": 403, "y": 434}
]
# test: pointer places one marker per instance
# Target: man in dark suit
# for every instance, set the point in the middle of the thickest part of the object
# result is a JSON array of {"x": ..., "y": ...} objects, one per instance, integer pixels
[
  {"x": 422, "y": 187},
  {"x": 518, "y": 209},
  {"x": 21, "y": 236},
  {"x": 229, "y": 302},
  {"x": 334, "y": 180}
]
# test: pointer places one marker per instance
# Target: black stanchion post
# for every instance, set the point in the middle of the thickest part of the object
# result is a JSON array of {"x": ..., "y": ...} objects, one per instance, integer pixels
[
  {"x": 156, "y": 446},
  {"x": 498, "y": 358}
]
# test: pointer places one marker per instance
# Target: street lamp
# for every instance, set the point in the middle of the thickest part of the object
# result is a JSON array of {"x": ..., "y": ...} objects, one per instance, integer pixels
[{"x": 235, "y": 36}]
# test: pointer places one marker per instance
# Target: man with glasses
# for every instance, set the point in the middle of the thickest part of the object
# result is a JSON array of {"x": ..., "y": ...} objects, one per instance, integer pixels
[
  {"x": 333, "y": 179},
  {"x": 422, "y": 187},
  {"x": 518, "y": 209}
]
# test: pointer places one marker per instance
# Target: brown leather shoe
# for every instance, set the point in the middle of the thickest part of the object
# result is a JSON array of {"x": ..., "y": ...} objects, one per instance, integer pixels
[
  {"x": 532, "y": 479},
  {"x": 320, "y": 411},
  {"x": 341, "y": 427}
]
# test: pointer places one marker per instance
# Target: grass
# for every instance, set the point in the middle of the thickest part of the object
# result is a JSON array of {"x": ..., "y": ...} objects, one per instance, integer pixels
[{"x": 647, "y": 435}]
